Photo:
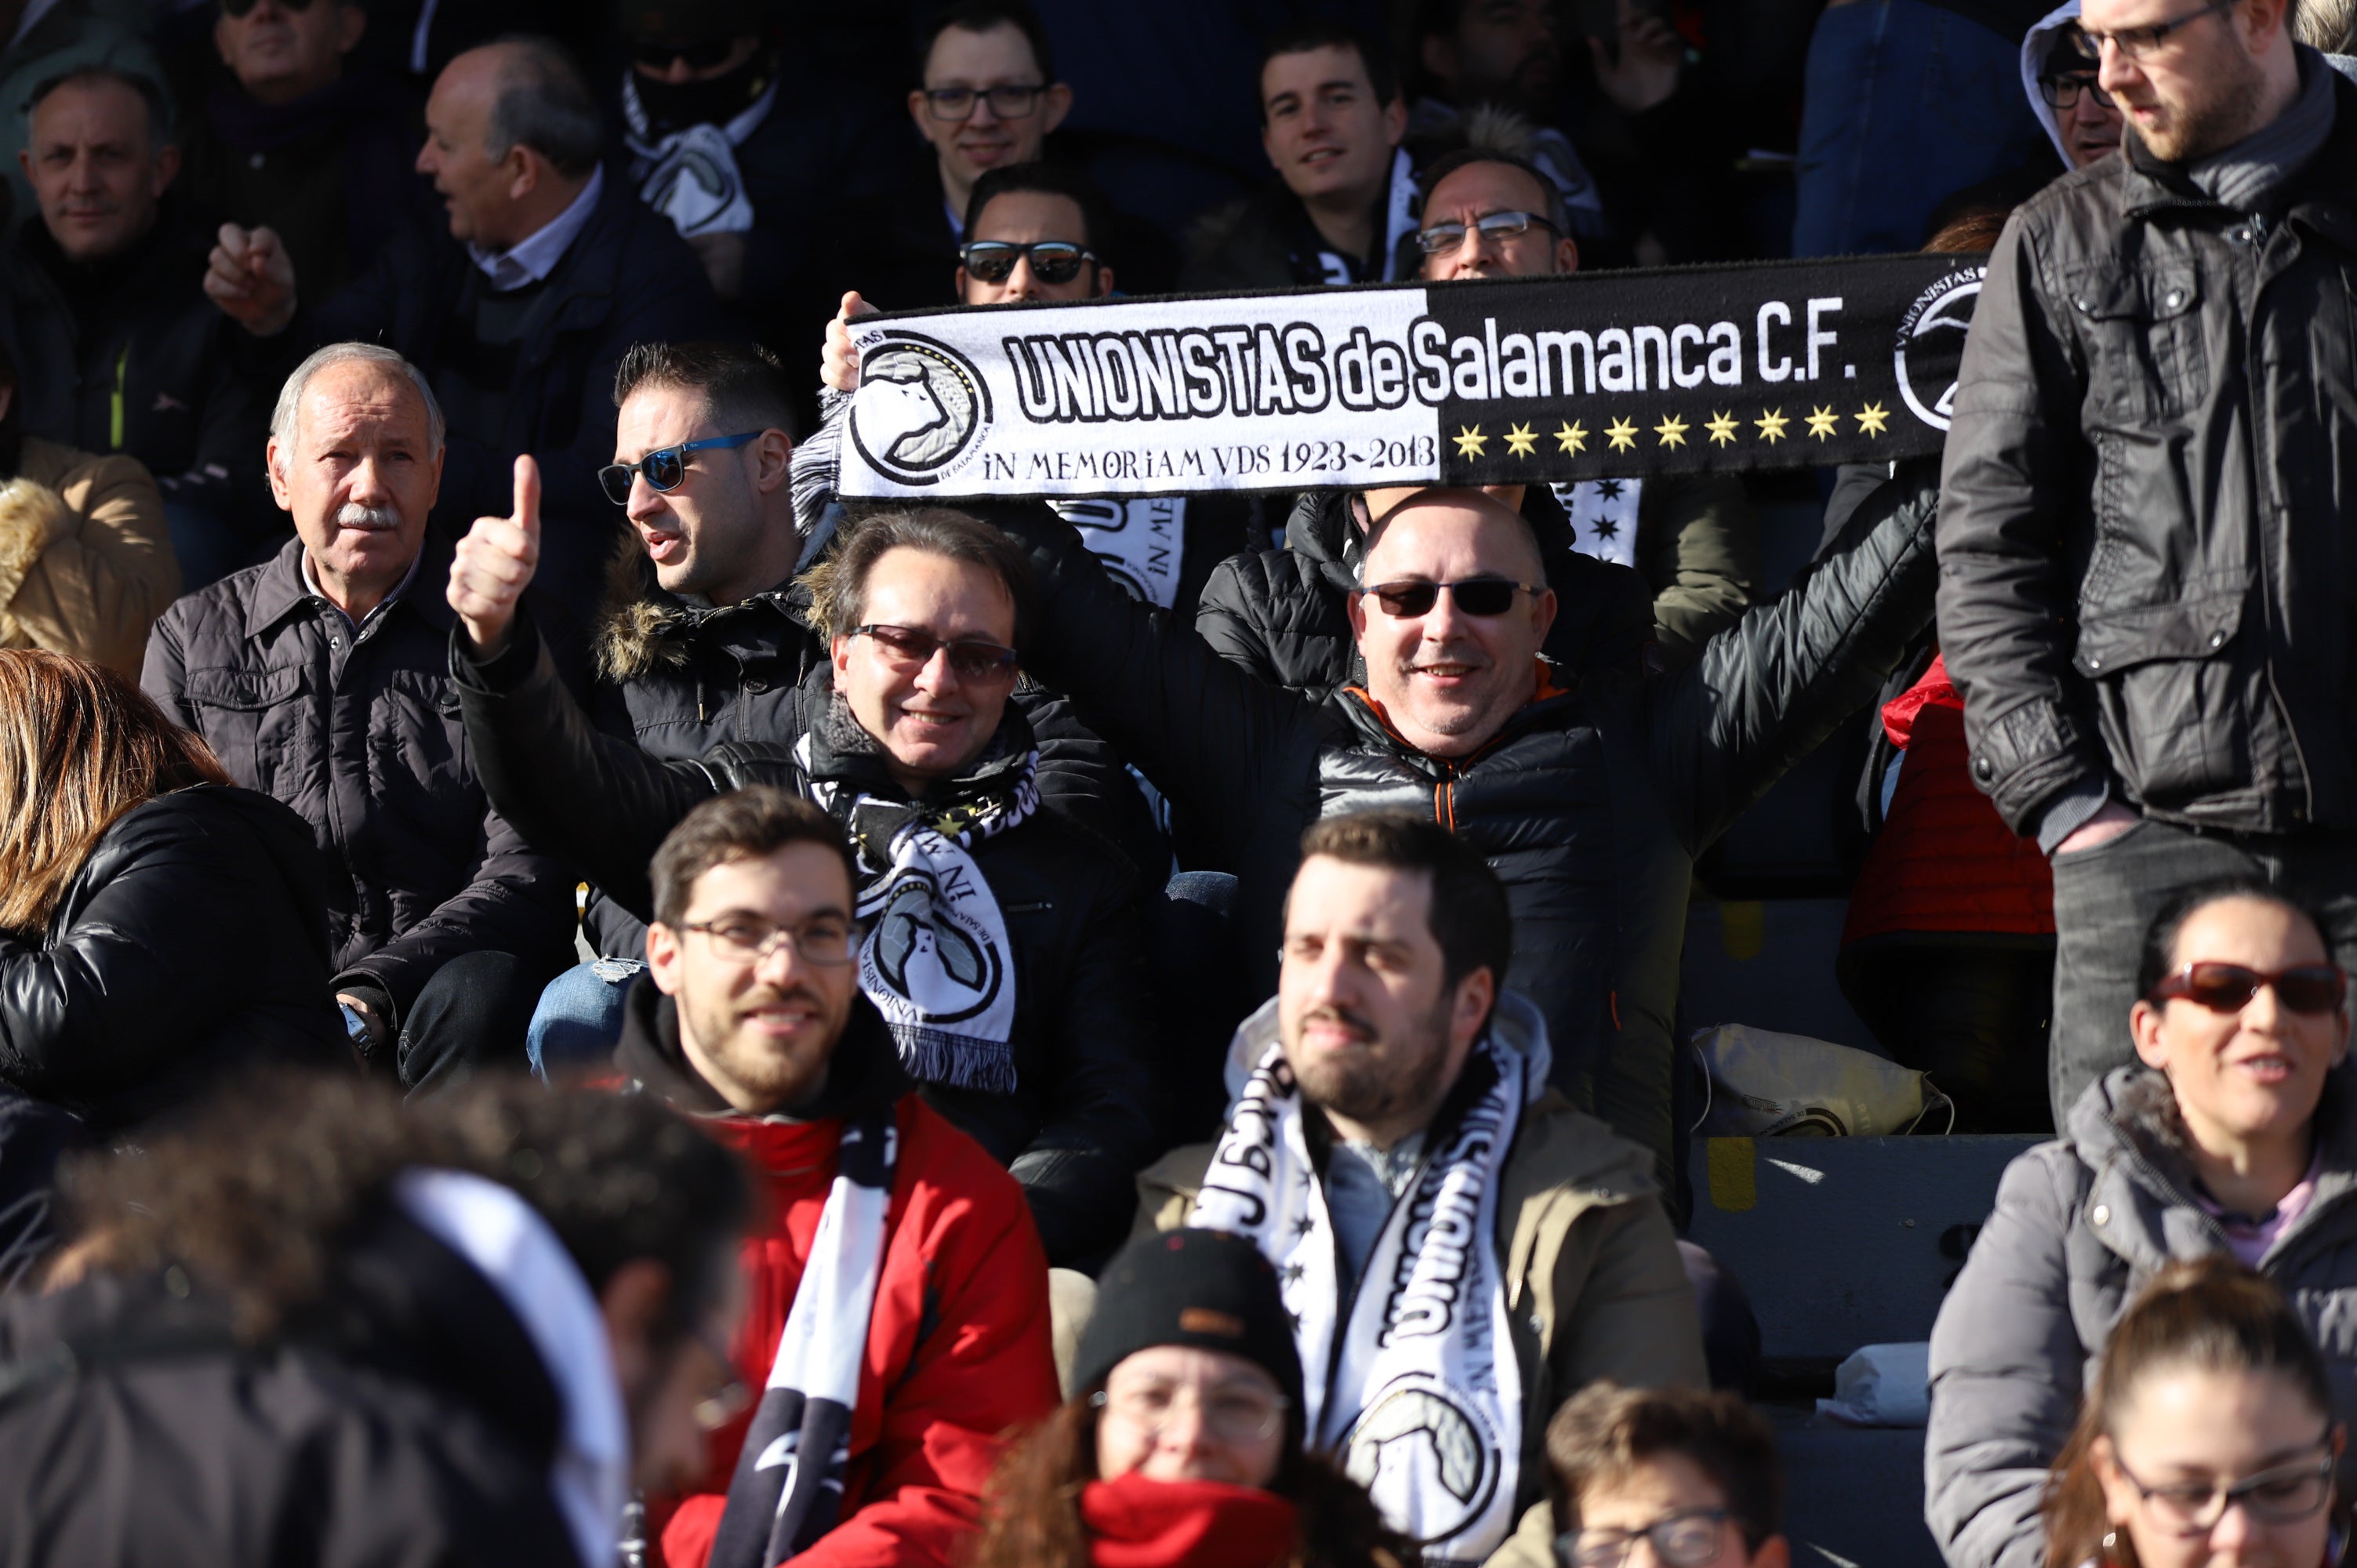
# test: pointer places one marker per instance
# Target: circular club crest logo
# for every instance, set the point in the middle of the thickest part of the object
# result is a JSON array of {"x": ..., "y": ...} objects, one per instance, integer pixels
[
  {"x": 920, "y": 406},
  {"x": 1931, "y": 347},
  {"x": 1422, "y": 1454}
]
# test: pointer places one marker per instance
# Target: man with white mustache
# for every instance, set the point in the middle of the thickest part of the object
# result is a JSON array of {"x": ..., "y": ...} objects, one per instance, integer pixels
[{"x": 322, "y": 677}]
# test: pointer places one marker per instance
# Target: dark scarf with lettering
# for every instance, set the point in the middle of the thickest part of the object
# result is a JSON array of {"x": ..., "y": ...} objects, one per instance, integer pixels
[
  {"x": 936, "y": 961},
  {"x": 787, "y": 1488},
  {"x": 1420, "y": 1398}
]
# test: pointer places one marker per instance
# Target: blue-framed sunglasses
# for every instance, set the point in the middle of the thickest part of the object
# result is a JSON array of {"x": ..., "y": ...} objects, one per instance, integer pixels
[{"x": 665, "y": 467}]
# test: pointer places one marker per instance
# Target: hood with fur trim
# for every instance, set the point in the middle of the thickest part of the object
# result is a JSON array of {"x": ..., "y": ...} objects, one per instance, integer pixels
[
  {"x": 642, "y": 627},
  {"x": 31, "y": 515}
]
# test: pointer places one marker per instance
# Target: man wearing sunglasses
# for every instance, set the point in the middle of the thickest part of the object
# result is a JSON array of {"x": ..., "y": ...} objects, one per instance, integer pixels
[
  {"x": 2144, "y": 582},
  {"x": 1005, "y": 949},
  {"x": 1281, "y": 614},
  {"x": 519, "y": 316},
  {"x": 1589, "y": 789}
]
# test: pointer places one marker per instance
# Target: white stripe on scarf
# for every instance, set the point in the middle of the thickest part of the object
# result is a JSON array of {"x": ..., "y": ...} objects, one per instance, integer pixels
[
  {"x": 1421, "y": 1399},
  {"x": 937, "y": 962},
  {"x": 690, "y": 175},
  {"x": 778, "y": 1504}
]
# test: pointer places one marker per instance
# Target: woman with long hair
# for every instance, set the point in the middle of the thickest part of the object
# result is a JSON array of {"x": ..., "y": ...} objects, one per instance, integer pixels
[
  {"x": 2234, "y": 1134},
  {"x": 157, "y": 924},
  {"x": 1182, "y": 1447},
  {"x": 2209, "y": 1435}
]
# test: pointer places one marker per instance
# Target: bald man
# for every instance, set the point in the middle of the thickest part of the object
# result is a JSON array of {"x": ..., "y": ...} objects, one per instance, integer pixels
[{"x": 519, "y": 314}]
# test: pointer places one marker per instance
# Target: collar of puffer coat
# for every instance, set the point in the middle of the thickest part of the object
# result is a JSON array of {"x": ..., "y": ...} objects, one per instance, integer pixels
[{"x": 642, "y": 626}]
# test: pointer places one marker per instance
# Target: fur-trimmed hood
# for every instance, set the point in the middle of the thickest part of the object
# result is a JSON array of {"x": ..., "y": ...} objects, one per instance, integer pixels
[
  {"x": 31, "y": 515},
  {"x": 642, "y": 627}
]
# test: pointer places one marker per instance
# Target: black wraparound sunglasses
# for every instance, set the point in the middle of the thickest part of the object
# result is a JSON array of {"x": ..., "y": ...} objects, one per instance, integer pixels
[
  {"x": 1052, "y": 261},
  {"x": 1483, "y": 596}
]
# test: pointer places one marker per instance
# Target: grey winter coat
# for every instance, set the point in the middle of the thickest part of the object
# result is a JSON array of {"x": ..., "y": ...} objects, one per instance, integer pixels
[{"x": 2080, "y": 1225}]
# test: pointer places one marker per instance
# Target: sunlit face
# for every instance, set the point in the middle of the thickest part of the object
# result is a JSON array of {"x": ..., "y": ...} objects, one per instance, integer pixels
[
  {"x": 92, "y": 168},
  {"x": 761, "y": 1032},
  {"x": 1321, "y": 127},
  {"x": 1175, "y": 1412},
  {"x": 934, "y": 721},
  {"x": 998, "y": 56},
  {"x": 1371, "y": 1027},
  {"x": 2192, "y": 1428},
  {"x": 1449, "y": 681},
  {"x": 2200, "y": 90},
  {"x": 701, "y": 533},
  {"x": 2256, "y": 1074},
  {"x": 1024, "y": 218},
  {"x": 476, "y": 188},
  {"x": 279, "y": 53},
  {"x": 1474, "y": 192},
  {"x": 1662, "y": 1486},
  {"x": 359, "y": 474}
]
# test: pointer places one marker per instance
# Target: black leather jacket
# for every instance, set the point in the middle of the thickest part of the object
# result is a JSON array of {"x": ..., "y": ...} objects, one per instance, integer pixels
[
  {"x": 2148, "y": 577},
  {"x": 193, "y": 939},
  {"x": 1591, "y": 804},
  {"x": 1080, "y": 1123}
]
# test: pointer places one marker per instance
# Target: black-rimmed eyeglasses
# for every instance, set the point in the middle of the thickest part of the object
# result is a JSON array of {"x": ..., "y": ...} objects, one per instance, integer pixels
[
  {"x": 2283, "y": 1495},
  {"x": 2137, "y": 42},
  {"x": 1012, "y": 102},
  {"x": 2061, "y": 91}
]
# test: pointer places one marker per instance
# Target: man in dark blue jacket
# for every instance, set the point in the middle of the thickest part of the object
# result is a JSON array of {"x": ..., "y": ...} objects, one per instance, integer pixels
[{"x": 520, "y": 325}]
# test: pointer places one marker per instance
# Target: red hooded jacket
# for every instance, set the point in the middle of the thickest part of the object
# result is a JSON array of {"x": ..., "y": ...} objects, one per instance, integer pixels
[{"x": 958, "y": 1352}]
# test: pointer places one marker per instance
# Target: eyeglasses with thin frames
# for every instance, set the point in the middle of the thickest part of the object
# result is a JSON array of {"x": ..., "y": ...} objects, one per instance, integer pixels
[
  {"x": 1442, "y": 238},
  {"x": 1687, "y": 1538},
  {"x": 2137, "y": 43},
  {"x": 1230, "y": 1414},
  {"x": 744, "y": 939}
]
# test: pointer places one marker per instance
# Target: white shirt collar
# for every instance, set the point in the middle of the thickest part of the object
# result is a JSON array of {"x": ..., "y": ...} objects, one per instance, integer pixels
[
  {"x": 530, "y": 260},
  {"x": 311, "y": 585}
]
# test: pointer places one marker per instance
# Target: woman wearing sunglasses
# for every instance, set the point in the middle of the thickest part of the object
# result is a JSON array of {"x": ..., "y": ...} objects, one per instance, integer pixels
[
  {"x": 2210, "y": 1436},
  {"x": 2234, "y": 1136}
]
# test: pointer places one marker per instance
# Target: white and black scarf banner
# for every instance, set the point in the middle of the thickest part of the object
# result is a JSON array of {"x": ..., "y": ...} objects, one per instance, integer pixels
[
  {"x": 937, "y": 963},
  {"x": 690, "y": 175},
  {"x": 787, "y": 1488},
  {"x": 1421, "y": 1400},
  {"x": 1618, "y": 374}
]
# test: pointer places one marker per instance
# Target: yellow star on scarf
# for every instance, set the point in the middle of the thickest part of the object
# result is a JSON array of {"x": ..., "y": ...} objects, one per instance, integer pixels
[
  {"x": 1824, "y": 423},
  {"x": 1521, "y": 441},
  {"x": 1771, "y": 424},
  {"x": 1872, "y": 419},
  {"x": 1572, "y": 438},
  {"x": 1469, "y": 441},
  {"x": 1622, "y": 435},
  {"x": 1721, "y": 429},
  {"x": 1672, "y": 430}
]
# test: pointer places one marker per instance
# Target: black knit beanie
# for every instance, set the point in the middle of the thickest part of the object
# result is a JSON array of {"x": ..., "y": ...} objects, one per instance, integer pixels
[{"x": 1206, "y": 1289}]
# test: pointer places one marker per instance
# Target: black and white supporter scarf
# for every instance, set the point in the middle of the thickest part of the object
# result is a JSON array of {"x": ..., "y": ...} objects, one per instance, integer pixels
[
  {"x": 937, "y": 962},
  {"x": 787, "y": 1488},
  {"x": 1422, "y": 1398},
  {"x": 690, "y": 175}
]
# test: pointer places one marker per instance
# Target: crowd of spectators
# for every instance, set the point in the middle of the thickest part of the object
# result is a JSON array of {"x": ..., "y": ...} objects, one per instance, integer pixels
[{"x": 570, "y": 994}]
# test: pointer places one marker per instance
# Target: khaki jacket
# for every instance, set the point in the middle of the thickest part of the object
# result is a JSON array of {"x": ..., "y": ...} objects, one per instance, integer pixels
[
  {"x": 85, "y": 564},
  {"x": 1592, "y": 1267}
]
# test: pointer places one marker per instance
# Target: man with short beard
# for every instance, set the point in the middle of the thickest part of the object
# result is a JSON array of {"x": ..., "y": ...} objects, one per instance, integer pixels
[
  {"x": 2146, "y": 578},
  {"x": 1391, "y": 1081},
  {"x": 322, "y": 677}
]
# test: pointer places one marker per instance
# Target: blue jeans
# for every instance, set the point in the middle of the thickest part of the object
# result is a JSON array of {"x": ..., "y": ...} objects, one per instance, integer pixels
[
  {"x": 1907, "y": 104},
  {"x": 579, "y": 1018}
]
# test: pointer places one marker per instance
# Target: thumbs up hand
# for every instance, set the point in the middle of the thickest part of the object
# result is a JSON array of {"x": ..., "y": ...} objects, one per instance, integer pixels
[{"x": 494, "y": 565}]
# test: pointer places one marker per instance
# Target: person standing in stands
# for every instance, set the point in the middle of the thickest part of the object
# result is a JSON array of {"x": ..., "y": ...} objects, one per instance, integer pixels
[
  {"x": 2145, "y": 580},
  {"x": 1331, "y": 119},
  {"x": 518, "y": 319},
  {"x": 322, "y": 678},
  {"x": 115, "y": 346},
  {"x": 896, "y": 1320},
  {"x": 295, "y": 140}
]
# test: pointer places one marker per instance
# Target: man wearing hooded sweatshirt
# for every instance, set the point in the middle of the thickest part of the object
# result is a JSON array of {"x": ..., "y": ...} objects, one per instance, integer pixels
[
  {"x": 2145, "y": 577},
  {"x": 896, "y": 1315}
]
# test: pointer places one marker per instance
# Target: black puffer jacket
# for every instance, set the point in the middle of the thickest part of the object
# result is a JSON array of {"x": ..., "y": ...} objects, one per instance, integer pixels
[
  {"x": 193, "y": 941},
  {"x": 1591, "y": 804},
  {"x": 409, "y": 1421},
  {"x": 1284, "y": 614},
  {"x": 1079, "y": 1124},
  {"x": 361, "y": 737},
  {"x": 2149, "y": 579}
]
